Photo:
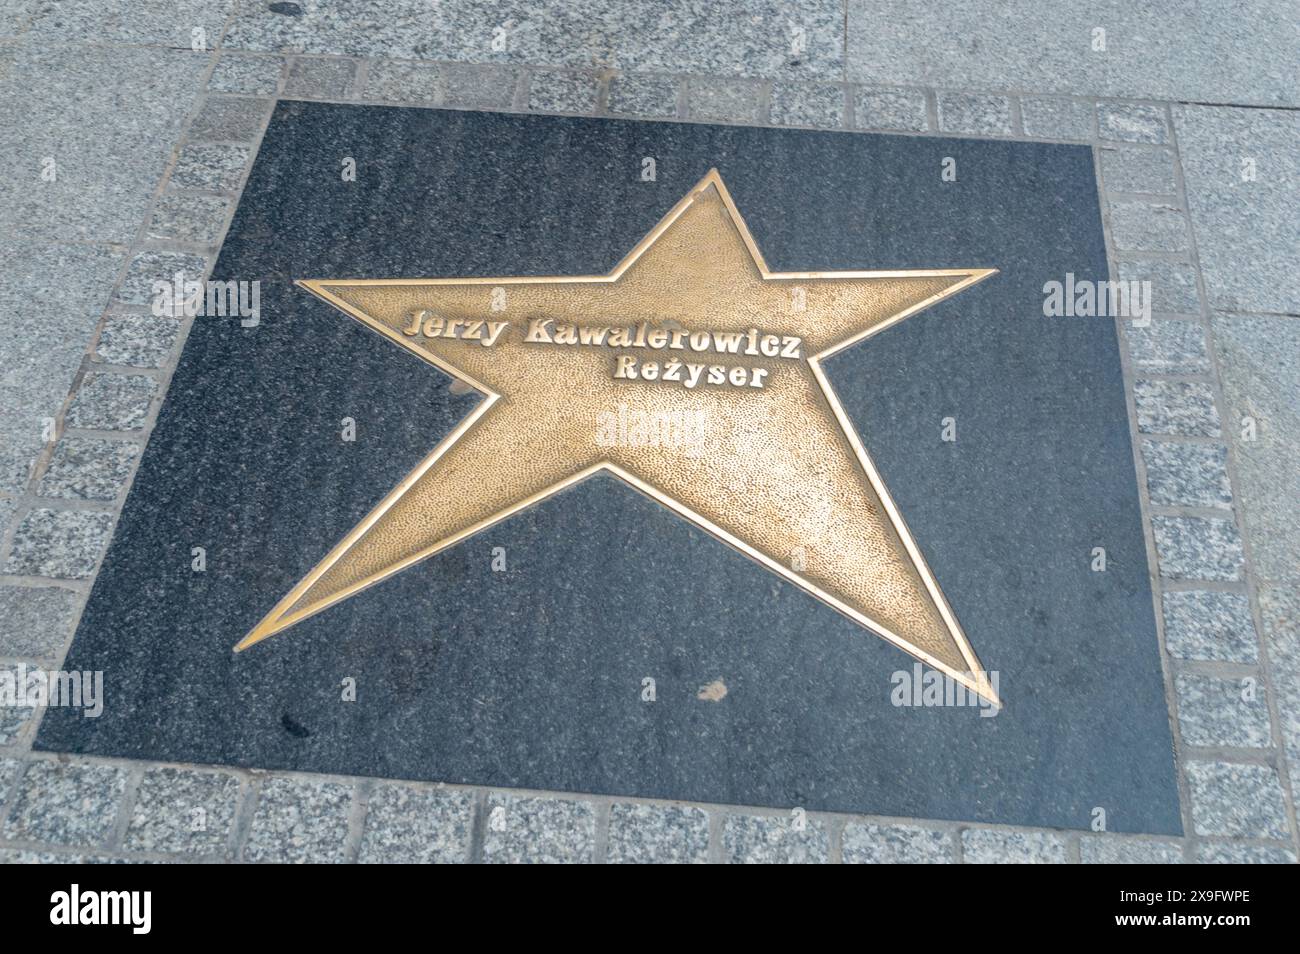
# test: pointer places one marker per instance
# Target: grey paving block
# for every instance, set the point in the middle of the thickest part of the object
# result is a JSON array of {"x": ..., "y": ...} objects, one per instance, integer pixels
[
  {"x": 319, "y": 78},
  {"x": 657, "y": 834},
  {"x": 1168, "y": 346},
  {"x": 973, "y": 113},
  {"x": 807, "y": 104},
  {"x": 1222, "y": 853},
  {"x": 1187, "y": 475},
  {"x": 251, "y": 75},
  {"x": 1231, "y": 52},
  {"x": 764, "y": 38},
  {"x": 150, "y": 266},
  {"x": 1261, "y": 382},
  {"x": 883, "y": 107},
  {"x": 14, "y": 719},
  {"x": 66, "y": 803},
  {"x": 230, "y": 119},
  {"x": 523, "y": 829},
  {"x": 403, "y": 82},
  {"x": 36, "y": 621},
  {"x": 111, "y": 402},
  {"x": 981, "y": 846},
  {"x": 299, "y": 821},
  {"x": 865, "y": 843},
  {"x": 63, "y": 544},
  {"x": 1214, "y": 710},
  {"x": 1184, "y": 408},
  {"x": 51, "y": 297},
  {"x": 733, "y": 100},
  {"x": 1054, "y": 118},
  {"x": 1173, "y": 284},
  {"x": 88, "y": 468},
  {"x": 107, "y": 157},
  {"x": 1243, "y": 801},
  {"x": 1198, "y": 548},
  {"x": 1121, "y": 850},
  {"x": 1138, "y": 170},
  {"x": 634, "y": 95},
  {"x": 162, "y": 22},
  {"x": 1248, "y": 234},
  {"x": 138, "y": 341},
  {"x": 183, "y": 811},
  {"x": 1209, "y": 625},
  {"x": 407, "y": 825},
  {"x": 1131, "y": 122},
  {"x": 1141, "y": 226},
  {"x": 553, "y": 92},
  {"x": 9, "y": 769},
  {"x": 211, "y": 168},
  {"x": 478, "y": 87},
  {"x": 1279, "y": 607},
  {"x": 774, "y": 839},
  {"x": 199, "y": 219},
  {"x": 8, "y": 505}
]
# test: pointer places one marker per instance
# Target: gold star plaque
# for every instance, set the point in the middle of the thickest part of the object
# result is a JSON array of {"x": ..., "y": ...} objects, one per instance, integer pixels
[{"x": 693, "y": 373}]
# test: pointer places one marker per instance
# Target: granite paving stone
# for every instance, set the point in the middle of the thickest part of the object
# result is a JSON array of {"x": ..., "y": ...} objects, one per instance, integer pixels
[
  {"x": 112, "y": 402},
  {"x": 408, "y": 825},
  {"x": 1138, "y": 170},
  {"x": 1279, "y": 607},
  {"x": 1209, "y": 625},
  {"x": 88, "y": 468},
  {"x": 1140, "y": 226},
  {"x": 36, "y": 622},
  {"x": 983, "y": 846},
  {"x": 662, "y": 834},
  {"x": 106, "y": 160},
  {"x": 1239, "y": 800},
  {"x": 184, "y": 811},
  {"x": 403, "y": 82},
  {"x": 774, "y": 839},
  {"x": 807, "y": 104},
  {"x": 553, "y": 92},
  {"x": 63, "y": 544},
  {"x": 137, "y": 341},
  {"x": 8, "y": 506},
  {"x": 1242, "y": 174},
  {"x": 169, "y": 23},
  {"x": 150, "y": 266},
  {"x": 247, "y": 74},
  {"x": 1183, "y": 408},
  {"x": 636, "y": 95},
  {"x": 1131, "y": 122},
  {"x": 319, "y": 78},
  {"x": 210, "y": 168},
  {"x": 229, "y": 119},
  {"x": 876, "y": 107},
  {"x": 1198, "y": 548},
  {"x": 1054, "y": 118},
  {"x": 760, "y": 38},
  {"x": 13, "y": 718},
  {"x": 50, "y": 300},
  {"x": 1261, "y": 390},
  {"x": 9, "y": 769},
  {"x": 1168, "y": 346},
  {"x": 974, "y": 113},
  {"x": 66, "y": 803},
  {"x": 866, "y": 843},
  {"x": 477, "y": 87},
  {"x": 1173, "y": 284},
  {"x": 1232, "y": 52},
  {"x": 1187, "y": 475},
  {"x": 1213, "y": 710},
  {"x": 521, "y": 829},
  {"x": 735, "y": 101},
  {"x": 1226, "y": 853},
  {"x": 1120, "y": 850},
  {"x": 299, "y": 821},
  {"x": 189, "y": 218}
]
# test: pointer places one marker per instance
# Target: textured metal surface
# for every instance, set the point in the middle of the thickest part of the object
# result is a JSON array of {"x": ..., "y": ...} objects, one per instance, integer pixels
[{"x": 766, "y": 460}]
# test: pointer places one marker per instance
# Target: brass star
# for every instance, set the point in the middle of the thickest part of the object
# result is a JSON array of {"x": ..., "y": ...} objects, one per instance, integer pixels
[{"x": 775, "y": 468}]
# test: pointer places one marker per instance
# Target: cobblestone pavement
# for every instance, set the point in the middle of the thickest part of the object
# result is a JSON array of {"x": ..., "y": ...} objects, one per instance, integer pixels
[{"x": 151, "y": 112}]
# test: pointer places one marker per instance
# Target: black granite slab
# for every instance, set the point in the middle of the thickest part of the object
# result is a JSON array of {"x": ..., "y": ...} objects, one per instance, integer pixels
[{"x": 533, "y": 677}]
